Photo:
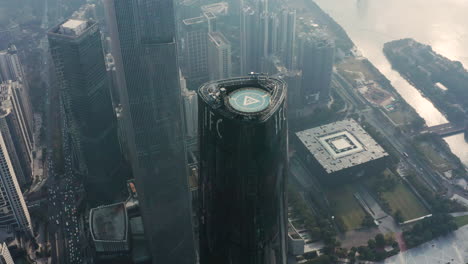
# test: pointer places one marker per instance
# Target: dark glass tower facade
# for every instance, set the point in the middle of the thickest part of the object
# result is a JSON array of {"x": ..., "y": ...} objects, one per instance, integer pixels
[
  {"x": 144, "y": 33},
  {"x": 78, "y": 58},
  {"x": 243, "y": 168},
  {"x": 316, "y": 58}
]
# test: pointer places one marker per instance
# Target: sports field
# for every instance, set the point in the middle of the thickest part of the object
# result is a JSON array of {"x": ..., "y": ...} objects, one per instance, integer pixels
[{"x": 346, "y": 207}]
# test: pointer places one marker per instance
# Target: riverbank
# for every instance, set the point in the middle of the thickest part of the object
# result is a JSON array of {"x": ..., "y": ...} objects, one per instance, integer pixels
[{"x": 371, "y": 93}]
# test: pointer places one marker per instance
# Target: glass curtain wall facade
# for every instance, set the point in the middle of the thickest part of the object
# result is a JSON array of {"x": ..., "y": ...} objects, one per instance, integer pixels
[
  {"x": 154, "y": 125},
  {"x": 84, "y": 90},
  {"x": 243, "y": 169}
]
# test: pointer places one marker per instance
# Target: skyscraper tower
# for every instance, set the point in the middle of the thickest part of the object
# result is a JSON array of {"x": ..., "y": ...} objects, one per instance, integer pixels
[
  {"x": 317, "y": 54},
  {"x": 152, "y": 108},
  {"x": 219, "y": 56},
  {"x": 15, "y": 129},
  {"x": 10, "y": 66},
  {"x": 13, "y": 210},
  {"x": 195, "y": 68},
  {"x": 243, "y": 168},
  {"x": 11, "y": 69},
  {"x": 84, "y": 90},
  {"x": 5, "y": 256},
  {"x": 288, "y": 52},
  {"x": 272, "y": 33},
  {"x": 263, "y": 30},
  {"x": 258, "y": 35},
  {"x": 250, "y": 55}
]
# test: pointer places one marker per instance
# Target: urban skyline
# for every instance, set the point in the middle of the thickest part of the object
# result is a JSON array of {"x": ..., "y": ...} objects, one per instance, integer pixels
[{"x": 239, "y": 131}]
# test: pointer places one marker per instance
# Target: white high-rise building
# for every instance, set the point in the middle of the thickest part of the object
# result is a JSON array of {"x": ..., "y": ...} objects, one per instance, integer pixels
[
  {"x": 5, "y": 256},
  {"x": 219, "y": 56},
  {"x": 10, "y": 66},
  {"x": 14, "y": 213},
  {"x": 191, "y": 112},
  {"x": 16, "y": 129}
]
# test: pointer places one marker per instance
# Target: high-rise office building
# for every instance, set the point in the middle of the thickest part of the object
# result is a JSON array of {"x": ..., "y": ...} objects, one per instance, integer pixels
[
  {"x": 15, "y": 128},
  {"x": 10, "y": 66},
  {"x": 195, "y": 66},
  {"x": 190, "y": 106},
  {"x": 219, "y": 9},
  {"x": 190, "y": 114},
  {"x": 5, "y": 256},
  {"x": 282, "y": 30},
  {"x": 14, "y": 213},
  {"x": 250, "y": 57},
  {"x": 317, "y": 54},
  {"x": 243, "y": 168},
  {"x": 84, "y": 90},
  {"x": 152, "y": 107},
  {"x": 219, "y": 56},
  {"x": 11, "y": 69},
  {"x": 273, "y": 28},
  {"x": 263, "y": 20},
  {"x": 289, "y": 42},
  {"x": 260, "y": 39}
]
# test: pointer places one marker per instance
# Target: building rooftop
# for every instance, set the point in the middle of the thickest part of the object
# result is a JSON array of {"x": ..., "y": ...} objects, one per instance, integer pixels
[
  {"x": 73, "y": 27},
  {"x": 73, "y": 23},
  {"x": 194, "y": 20},
  {"x": 5, "y": 97},
  {"x": 251, "y": 98},
  {"x": 209, "y": 15},
  {"x": 218, "y": 39},
  {"x": 220, "y": 8},
  {"x": 136, "y": 224},
  {"x": 109, "y": 223},
  {"x": 341, "y": 145},
  {"x": 248, "y": 10}
]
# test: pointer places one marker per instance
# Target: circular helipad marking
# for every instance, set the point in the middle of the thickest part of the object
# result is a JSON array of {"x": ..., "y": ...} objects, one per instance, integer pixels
[{"x": 249, "y": 100}]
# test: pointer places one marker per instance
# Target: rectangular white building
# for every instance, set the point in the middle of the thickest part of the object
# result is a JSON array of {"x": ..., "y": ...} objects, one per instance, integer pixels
[{"x": 219, "y": 56}]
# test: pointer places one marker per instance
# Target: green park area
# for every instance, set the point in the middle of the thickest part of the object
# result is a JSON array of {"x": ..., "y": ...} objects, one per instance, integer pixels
[
  {"x": 402, "y": 199},
  {"x": 400, "y": 115},
  {"x": 353, "y": 69},
  {"x": 437, "y": 161},
  {"x": 396, "y": 195},
  {"x": 346, "y": 207},
  {"x": 461, "y": 220}
]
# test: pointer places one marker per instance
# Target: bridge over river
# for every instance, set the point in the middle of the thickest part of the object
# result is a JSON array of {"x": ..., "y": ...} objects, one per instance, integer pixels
[{"x": 447, "y": 129}]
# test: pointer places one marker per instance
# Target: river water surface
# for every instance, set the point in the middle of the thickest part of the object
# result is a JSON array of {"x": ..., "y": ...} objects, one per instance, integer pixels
[{"x": 443, "y": 24}]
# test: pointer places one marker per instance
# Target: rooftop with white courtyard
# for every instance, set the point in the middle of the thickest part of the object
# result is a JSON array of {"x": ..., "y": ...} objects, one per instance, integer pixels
[{"x": 341, "y": 145}]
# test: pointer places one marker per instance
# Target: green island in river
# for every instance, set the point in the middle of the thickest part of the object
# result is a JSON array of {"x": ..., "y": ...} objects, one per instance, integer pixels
[{"x": 443, "y": 81}]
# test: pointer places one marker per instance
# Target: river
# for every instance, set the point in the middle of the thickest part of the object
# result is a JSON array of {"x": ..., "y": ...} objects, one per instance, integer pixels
[{"x": 443, "y": 24}]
